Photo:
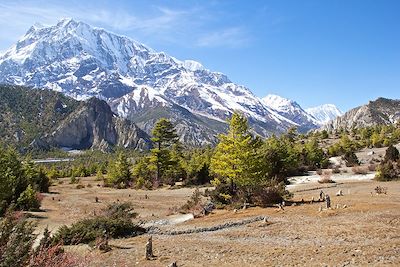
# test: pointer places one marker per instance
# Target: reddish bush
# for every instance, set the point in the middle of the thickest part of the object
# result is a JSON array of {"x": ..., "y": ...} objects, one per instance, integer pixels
[{"x": 55, "y": 256}]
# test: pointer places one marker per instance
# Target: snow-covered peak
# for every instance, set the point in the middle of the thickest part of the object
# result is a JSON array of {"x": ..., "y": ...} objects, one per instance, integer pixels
[
  {"x": 193, "y": 65},
  {"x": 279, "y": 103},
  {"x": 292, "y": 110},
  {"x": 324, "y": 113}
]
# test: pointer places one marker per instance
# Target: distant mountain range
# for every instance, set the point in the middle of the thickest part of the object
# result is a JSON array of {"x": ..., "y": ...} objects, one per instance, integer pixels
[
  {"x": 143, "y": 85},
  {"x": 324, "y": 113}
]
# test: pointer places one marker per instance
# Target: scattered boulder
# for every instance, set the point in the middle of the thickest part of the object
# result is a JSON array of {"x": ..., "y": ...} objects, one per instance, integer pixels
[{"x": 208, "y": 208}]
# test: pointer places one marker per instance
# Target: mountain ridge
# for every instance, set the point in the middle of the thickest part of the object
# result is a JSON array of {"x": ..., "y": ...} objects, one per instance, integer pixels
[
  {"x": 324, "y": 113},
  {"x": 82, "y": 61},
  {"x": 382, "y": 111}
]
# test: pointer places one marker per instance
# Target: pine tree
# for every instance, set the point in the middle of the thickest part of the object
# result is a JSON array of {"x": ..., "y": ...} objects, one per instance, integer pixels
[
  {"x": 235, "y": 159},
  {"x": 119, "y": 172},
  {"x": 164, "y": 136}
]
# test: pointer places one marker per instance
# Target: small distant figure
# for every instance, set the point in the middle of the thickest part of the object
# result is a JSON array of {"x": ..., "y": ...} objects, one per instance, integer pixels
[
  {"x": 312, "y": 200},
  {"x": 328, "y": 201},
  {"x": 96, "y": 199},
  {"x": 149, "y": 248},
  {"x": 52, "y": 198},
  {"x": 129, "y": 195},
  {"x": 146, "y": 197},
  {"x": 321, "y": 195}
]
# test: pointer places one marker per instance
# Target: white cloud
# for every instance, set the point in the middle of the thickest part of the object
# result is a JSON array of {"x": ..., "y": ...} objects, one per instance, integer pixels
[{"x": 231, "y": 37}]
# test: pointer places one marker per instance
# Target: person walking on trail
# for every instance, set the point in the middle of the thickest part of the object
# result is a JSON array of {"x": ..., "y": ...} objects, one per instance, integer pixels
[
  {"x": 328, "y": 201},
  {"x": 321, "y": 195}
]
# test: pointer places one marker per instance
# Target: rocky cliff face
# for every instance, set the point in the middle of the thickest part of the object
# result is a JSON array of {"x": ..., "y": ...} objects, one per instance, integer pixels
[
  {"x": 95, "y": 126},
  {"x": 41, "y": 119},
  {"x": 379, "y": 112}
]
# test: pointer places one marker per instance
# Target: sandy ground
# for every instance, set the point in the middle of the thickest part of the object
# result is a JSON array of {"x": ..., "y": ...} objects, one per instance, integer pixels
[{"x": 365, "y": 233}]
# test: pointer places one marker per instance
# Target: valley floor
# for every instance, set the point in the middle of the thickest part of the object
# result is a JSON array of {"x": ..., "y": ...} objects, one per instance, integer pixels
[{"x": 364, "y": 233}]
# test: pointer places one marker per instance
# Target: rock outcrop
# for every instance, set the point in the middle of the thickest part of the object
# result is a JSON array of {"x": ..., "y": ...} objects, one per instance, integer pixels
[
  {"x": 95, "y": 126},
  {"x": 382, "y": 111}
]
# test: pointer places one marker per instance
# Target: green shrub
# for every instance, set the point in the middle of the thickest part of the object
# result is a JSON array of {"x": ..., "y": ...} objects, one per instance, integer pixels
[
  {"x": 119, "y": 173},
  {"x": 87, "y": 230},
  {"x": 193, "y": 203},
  {"x": 391, "y": 153},
  {"x": 387, "y": 171},
  {"x": 115, "y": 222},
  {"x": 16, "y": 246},
  {"x": 16, "y": 240},
  {"x": 28, "y": 200},
  {"x": 351, "y": 159},
  {"x": 267, "y": 195},
  {"x": 73, "y": 180}
]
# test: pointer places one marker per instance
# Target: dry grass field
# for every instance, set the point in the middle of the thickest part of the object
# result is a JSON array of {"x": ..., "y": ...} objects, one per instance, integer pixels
[{"x": 366, "y": 232}]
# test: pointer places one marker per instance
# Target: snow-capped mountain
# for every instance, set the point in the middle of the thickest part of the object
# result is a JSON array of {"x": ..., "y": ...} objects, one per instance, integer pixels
[
  {"x": 139, "y": 83},
  {"x": 324, "y": 113},
  {"x": 291, "y": 110}
]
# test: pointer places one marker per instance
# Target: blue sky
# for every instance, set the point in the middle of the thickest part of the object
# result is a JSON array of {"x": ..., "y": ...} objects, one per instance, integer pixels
[{"x": 344, "y": 52}]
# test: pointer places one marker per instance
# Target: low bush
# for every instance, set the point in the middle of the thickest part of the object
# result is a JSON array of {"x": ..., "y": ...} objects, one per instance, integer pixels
[
  {"x": 392, "y": 154},
  {"x": 261, "y": 195},
  {"x": 73, "y": 180},
  {"x": 268, "y": 195},
  {"x": 351, "y": 159},
  {"x": 16, "y": 246},
  {"x": 388, "y": 171},
  {"x": 80, "y": 186},
  {"x": 194, "y": 204},
  {"x": 222, "y": 194},
  {"x": 380, "y": 190},
  {"x": 29, "y": 200},
  {"x": 115, "y": 222}
]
